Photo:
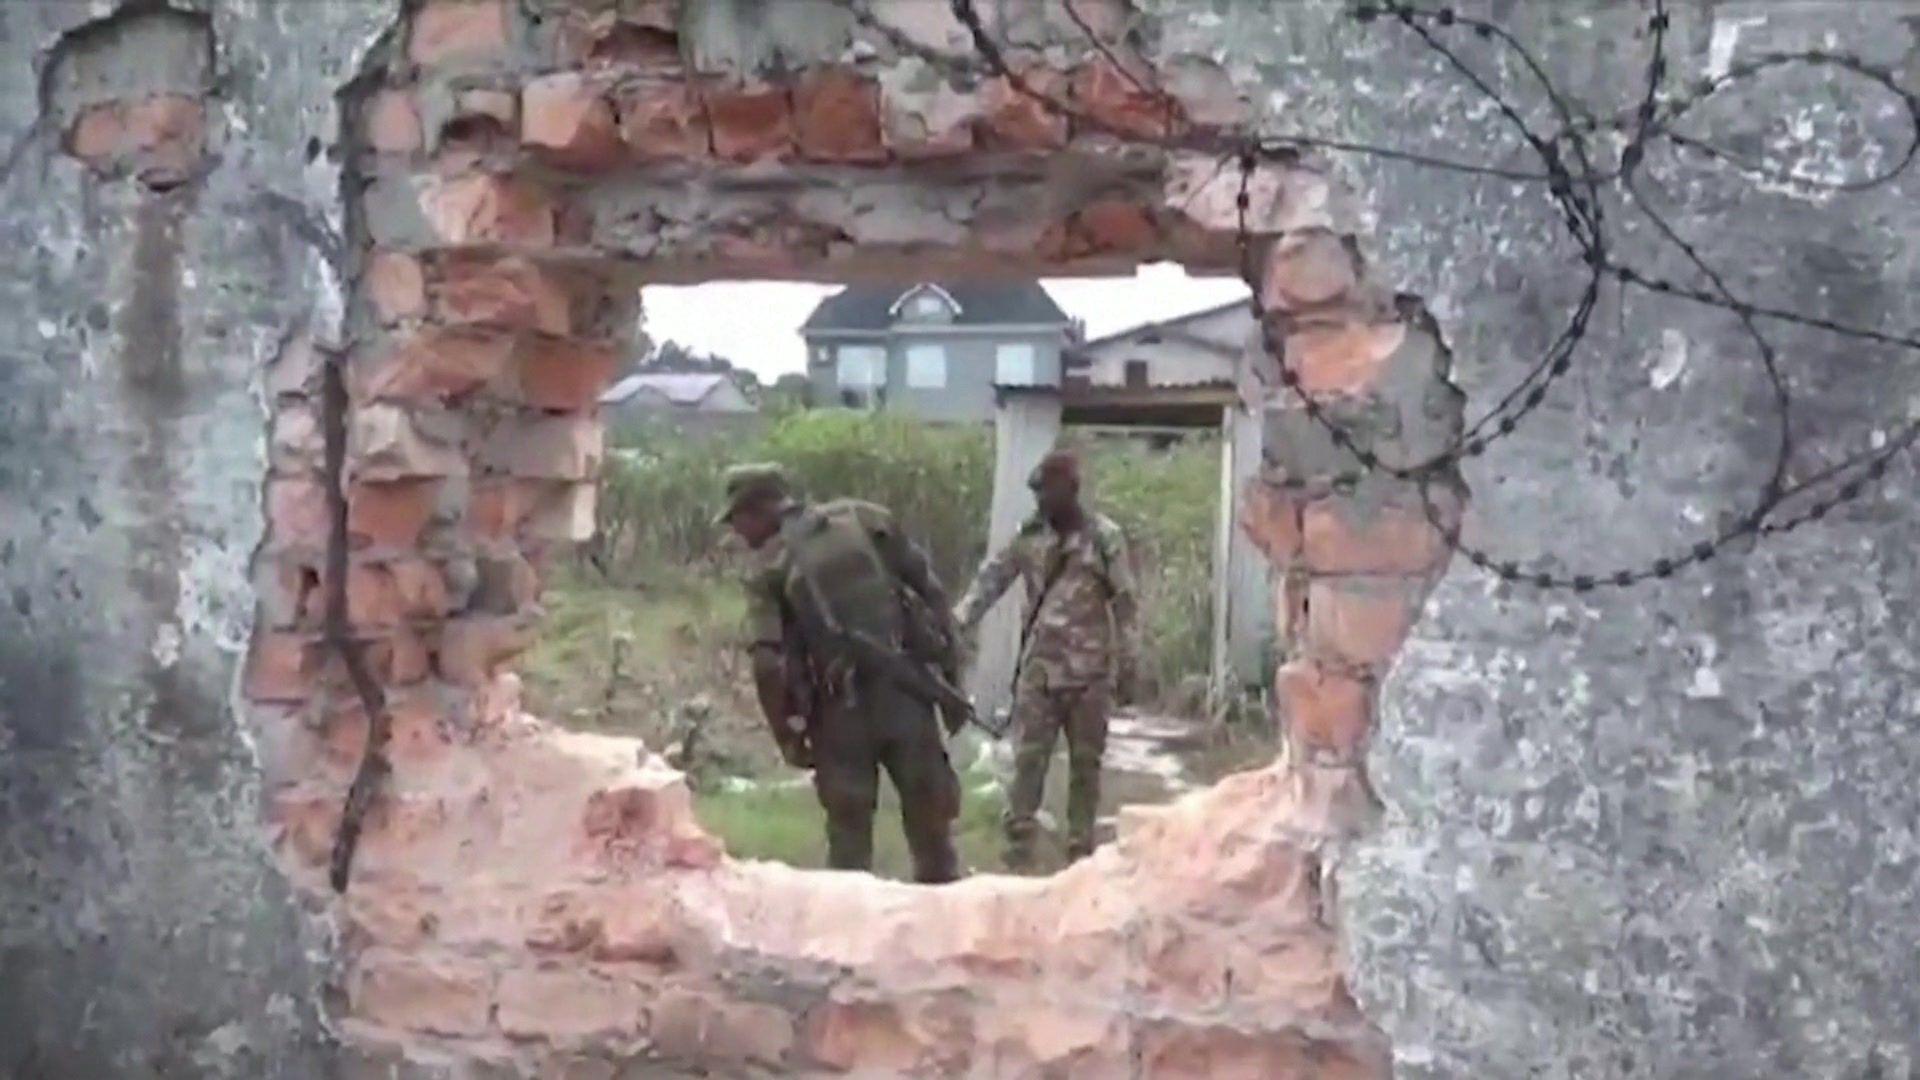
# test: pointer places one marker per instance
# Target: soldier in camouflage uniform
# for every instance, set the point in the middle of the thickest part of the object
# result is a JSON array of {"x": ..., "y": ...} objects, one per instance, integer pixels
[
  {"x": 1079, "y": 649},
  {"x": 825, "y": 573}
]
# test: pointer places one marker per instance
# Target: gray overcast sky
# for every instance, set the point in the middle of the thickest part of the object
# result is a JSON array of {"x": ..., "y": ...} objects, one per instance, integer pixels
[{"x": 756, "y": 324}]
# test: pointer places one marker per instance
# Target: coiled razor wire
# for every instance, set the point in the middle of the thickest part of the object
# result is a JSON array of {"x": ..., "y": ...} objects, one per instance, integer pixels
[{"x": 1574, "y": 184}]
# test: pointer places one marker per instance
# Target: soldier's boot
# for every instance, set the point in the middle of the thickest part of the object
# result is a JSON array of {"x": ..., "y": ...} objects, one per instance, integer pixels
[
  {"x": 1018, "y": 855},
  {"x": 1086, "y": 747}
]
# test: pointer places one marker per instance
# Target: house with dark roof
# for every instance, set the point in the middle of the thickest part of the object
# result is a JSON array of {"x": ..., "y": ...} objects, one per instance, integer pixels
[{"x": 936, "y": 350}]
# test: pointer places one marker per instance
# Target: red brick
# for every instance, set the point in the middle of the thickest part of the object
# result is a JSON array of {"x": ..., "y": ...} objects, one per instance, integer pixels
[
  {"x": 99, "y": 136},
  {"x": 1343, "y": 359},
  {"x": 697, "y": 1027},
  {"x": 507, "y": 585},
  {"x": 439, "y": 996},
  {"x": 167, "y": 135},
  {"x": 565, "y": 373},
  {"x": 417, "y": 731},
  {"x": 1306, "y": 268},
  {"x": 474, "y": 649},
  {"x": 512, "y": 293},
  {"x": 386, "y": 593},
  {"x": 1106, "y": 226},
  {"x": 282, "y": 666},
  {"x": 924, "y": 118},
  {"x": 483, "y": 207},
  {"x": 395, "y": 286},
  {"x": 303, "y": 823},
  {"x": 1270, "y": 517},
  {"x": 435, "y": 365},
  {"x": 1360, "y": 621},
  {"x": 372, "y": 599},
  {"x": 569, "y": 122},
  {"x": 665, "y": 121},
  {"x": 393, "y": 123},
  {"x": 692, "y": 849},
  {"x": 296, "y": 370},
  {"x": 1014, "y": 121},
  {"x": 867, "y": 1035},
  {"x": 343, "y": 738},
  {"x": 547, "y": 448},
  {"x": 1117, "y": 106},
  {"x": 563, "y": 512},
  {"x": 399, "y": 658},
  {"x": 1326, "y": 712},
  {"x": 391, "y": 514},
  {"x": 297, "y": 513},
  {"x": 750, "y": 124},
  {"x": 388, "y": 442},
  {"x": 500, "y": 106},
  {"x": 496, "y": 508},
  {"x": 287, "y": 587},
  {"x": 421, "y": 588},
  {"x": 568, "y": 1003},
  {"x": 458, "y": 30},
  {"x": 1340, "y": 538},
  {"x": 836, "y": 117},
  {"x": 297, "y": 444}
]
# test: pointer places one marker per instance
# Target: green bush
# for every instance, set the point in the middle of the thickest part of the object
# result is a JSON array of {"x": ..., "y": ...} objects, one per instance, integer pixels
[{"x": 937, "y": 480}]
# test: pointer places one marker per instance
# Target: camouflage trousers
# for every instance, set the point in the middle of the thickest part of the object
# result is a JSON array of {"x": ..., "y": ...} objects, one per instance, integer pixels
[
  {"x": 877, "y": 726},
  {"x": 1041, "y": 714}
]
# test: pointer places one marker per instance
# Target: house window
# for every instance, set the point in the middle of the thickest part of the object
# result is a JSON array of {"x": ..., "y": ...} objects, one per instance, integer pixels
[
  {"x": 861, "y": 366},
  {"x": 927, "y": 366},
  {"x": 1136, "y": 373},
  {"x": 928, "y": 306},
  {"x": 1014, "y": 364}
]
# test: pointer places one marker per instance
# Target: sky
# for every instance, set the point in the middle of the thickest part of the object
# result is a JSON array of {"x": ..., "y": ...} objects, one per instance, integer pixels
[{"x": 756, "y": 324}]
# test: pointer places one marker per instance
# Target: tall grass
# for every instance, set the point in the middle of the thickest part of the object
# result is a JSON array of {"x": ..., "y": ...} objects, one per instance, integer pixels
[
  {"x": 659, "y": 495},
  {"x": 1167, "y": 503}
]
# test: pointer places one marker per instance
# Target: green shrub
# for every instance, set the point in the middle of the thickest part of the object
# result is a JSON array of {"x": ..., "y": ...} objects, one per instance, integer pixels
[{"x": 937, "y": 480}]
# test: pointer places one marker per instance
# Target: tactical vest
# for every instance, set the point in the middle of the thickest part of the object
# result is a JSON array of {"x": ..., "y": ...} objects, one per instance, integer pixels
[{"x": 836, "y": 576}]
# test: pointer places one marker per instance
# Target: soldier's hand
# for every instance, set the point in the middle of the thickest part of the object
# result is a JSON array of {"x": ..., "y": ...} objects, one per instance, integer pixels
[{"x": 797, "y": 753}]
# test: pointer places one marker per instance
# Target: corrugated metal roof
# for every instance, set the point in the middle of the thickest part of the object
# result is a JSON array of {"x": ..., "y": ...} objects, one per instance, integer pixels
[{"x": 678, "y": 387}]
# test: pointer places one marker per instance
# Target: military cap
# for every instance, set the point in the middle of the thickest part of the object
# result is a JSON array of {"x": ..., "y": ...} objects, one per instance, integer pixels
[
  {"x": 746, "y": 483},
  {"x": 1062, "y": 463}
]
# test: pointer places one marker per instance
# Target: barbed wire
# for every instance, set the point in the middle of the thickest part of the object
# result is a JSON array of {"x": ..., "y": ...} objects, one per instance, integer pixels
[{"x": 1576, "y": 186}]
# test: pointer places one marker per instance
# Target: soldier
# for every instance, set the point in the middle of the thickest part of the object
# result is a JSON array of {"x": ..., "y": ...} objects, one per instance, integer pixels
[
  {"x": 1079, "y": 648},
  {"x": 852, "y": 646}
]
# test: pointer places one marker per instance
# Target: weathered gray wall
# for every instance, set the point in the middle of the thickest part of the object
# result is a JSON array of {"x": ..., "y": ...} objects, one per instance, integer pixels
[
  {"x": 1666, "y": 832},
  {"x": 144, "y": 932},
  {"x": 1660, "y": 833}
]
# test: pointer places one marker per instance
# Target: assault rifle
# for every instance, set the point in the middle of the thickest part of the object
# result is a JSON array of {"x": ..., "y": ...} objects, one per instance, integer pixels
[{"x": 919, "y": 680}]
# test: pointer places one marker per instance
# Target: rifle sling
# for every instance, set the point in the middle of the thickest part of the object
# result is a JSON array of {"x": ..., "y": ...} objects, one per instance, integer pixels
[{"x": 1056, "y": 567}]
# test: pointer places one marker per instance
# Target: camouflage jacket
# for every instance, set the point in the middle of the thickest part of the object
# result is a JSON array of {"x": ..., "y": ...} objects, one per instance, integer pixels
[{"x": 1087, "y": 624}]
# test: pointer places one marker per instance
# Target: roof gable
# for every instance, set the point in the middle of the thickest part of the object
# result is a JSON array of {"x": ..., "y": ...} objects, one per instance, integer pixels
[{"x": 874, "y": 307}]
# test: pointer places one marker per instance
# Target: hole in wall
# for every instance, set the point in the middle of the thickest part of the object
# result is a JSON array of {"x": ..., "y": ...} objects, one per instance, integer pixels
[{"x": 874, "y": 391}]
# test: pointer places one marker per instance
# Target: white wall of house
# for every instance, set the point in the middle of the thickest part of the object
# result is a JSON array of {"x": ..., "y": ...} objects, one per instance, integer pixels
[{"x": 1188, "y": 352}]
